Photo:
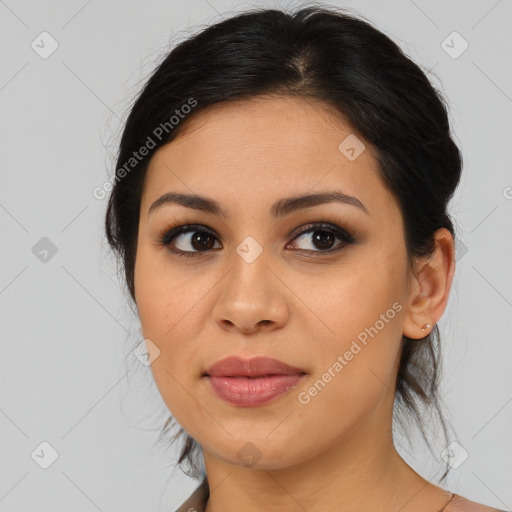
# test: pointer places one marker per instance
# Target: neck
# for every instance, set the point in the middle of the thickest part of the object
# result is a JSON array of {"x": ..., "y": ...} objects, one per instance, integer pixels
[{"x": 362, "y": 471}]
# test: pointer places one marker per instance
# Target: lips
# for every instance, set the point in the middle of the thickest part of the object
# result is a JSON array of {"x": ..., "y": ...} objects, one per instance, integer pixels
[
  {"x": 256, "y": 367},
  {"x": 252, "y": 382}
]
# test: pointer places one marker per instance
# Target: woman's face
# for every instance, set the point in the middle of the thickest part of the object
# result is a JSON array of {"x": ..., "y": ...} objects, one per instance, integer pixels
[{"x": 266, "y": 281}]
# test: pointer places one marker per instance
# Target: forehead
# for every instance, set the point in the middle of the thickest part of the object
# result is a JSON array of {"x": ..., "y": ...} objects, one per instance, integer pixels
[{"x": 259, "y": 150}]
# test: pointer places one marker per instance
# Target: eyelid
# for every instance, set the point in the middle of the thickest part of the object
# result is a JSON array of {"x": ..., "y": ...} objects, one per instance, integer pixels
[
  {"x": 319, "y": 225},
  {"x": 181, "y": 228}
]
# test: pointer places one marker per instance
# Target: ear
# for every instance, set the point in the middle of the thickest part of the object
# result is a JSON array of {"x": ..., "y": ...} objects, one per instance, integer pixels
[{"x": 429, "y": 287}]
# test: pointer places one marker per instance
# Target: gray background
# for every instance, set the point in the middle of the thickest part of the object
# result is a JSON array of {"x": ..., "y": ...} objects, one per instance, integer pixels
[{"x": 68, "y": 375}]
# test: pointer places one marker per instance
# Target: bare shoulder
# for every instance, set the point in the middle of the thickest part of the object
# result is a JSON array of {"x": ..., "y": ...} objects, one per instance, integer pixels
[{"x": 461, "y": 504}]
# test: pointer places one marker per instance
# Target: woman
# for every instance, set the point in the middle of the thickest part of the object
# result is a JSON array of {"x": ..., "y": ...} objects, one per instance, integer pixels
[{"x": 280, "y": 210}]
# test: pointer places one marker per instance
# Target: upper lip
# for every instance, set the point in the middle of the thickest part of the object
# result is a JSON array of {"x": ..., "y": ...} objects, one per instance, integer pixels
[{"x": 235, "y": 366}]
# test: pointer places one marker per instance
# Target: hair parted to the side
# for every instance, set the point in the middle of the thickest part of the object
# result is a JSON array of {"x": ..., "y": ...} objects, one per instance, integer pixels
[{"x": 323, "y": 53}]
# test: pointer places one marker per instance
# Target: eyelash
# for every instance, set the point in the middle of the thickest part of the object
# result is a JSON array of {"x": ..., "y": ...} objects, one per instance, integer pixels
[{"x": 345, "y": 236}]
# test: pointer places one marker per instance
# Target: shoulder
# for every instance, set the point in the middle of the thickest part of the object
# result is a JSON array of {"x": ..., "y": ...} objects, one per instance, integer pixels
[
  {"x": 196, "y": 502},
  {"x": 461, "y": 504}
]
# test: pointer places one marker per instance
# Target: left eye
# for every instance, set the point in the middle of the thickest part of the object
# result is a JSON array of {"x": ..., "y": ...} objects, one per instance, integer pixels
[{"x": 322, "y": 236}]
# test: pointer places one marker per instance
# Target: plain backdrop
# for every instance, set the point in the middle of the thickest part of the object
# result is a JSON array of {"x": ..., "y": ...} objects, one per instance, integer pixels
[{"x": 69, "y": 71}]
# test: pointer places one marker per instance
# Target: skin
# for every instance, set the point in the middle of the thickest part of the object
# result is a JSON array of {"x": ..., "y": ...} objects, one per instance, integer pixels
[{"x": 335, "y": 452}]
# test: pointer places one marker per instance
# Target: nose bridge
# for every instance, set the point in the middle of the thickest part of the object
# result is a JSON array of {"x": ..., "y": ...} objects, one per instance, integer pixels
[
  {"x": 250, "y": 260},
  {"x": 249, "y": 295}
]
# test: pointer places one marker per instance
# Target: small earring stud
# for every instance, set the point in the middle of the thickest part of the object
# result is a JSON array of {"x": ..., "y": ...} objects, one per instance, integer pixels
[{"x": 425, "y": 327}]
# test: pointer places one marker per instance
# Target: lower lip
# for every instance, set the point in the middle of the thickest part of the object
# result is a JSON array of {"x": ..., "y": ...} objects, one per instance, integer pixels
[{"x": 245, "y": 392}]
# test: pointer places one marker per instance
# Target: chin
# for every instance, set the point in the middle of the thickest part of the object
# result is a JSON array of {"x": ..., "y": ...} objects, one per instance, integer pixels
[{"x": 259, "y": 453}]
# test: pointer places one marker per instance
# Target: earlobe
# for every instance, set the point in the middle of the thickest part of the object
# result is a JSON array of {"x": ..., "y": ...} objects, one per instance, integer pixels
[{"x": 430, "y": 287}]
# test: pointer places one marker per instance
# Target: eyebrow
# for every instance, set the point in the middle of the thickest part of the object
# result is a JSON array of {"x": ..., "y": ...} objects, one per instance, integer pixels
[{"x": 279, "y": 209}]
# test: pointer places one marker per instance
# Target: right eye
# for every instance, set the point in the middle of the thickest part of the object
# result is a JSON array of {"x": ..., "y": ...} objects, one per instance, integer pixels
[{"x": 194, "y": 236}]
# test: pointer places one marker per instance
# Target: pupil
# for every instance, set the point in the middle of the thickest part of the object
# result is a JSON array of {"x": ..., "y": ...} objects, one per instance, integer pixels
[
  {"x": 325, "y": 240},
  {"x": 200, "y": 237}
]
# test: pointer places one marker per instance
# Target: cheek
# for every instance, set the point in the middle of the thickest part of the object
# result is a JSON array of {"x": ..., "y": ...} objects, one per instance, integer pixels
[
  {"x": 167, "y": 319},
  {"x": 172, "y": 309},
  {"x": 165, "y": 299},
  {"x": 367, "y": 289},
  {"x": 359, "y": 337}
]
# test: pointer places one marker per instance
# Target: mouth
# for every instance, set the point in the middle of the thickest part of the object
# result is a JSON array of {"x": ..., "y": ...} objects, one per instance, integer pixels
[{"x": 252, "y": 382}]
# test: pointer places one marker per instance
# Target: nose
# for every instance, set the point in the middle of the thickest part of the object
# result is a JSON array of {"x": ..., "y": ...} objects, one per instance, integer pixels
[{"x": 251, "y": 298}]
